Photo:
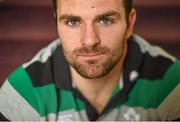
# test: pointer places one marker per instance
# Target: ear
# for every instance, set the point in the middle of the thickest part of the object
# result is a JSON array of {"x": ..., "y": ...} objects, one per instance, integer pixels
[{"x": 131, "y": 23}]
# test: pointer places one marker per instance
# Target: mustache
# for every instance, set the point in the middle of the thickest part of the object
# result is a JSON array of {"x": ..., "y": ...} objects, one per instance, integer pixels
[{"x": 94, "y": 49}]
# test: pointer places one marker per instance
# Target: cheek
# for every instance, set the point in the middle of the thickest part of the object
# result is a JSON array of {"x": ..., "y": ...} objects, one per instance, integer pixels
[
  {"x": 69, "y": 38},
  {"x": 113, "y": 36}
]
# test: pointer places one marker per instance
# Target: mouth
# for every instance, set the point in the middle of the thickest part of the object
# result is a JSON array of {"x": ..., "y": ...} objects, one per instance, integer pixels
[{"x": 91, "y": 55}]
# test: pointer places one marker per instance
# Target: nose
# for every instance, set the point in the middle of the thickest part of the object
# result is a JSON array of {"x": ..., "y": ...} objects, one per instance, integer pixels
[{"x": 90, "y": 36}]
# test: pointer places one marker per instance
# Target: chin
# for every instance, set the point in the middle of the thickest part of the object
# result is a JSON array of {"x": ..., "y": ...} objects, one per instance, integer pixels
[{"x": 93, "y": 70}]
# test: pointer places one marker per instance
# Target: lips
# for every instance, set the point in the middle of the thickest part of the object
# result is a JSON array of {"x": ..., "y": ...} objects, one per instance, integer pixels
[{"x": 90, "y": 54}]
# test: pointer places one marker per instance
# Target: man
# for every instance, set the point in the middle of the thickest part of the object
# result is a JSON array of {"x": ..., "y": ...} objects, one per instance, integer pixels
[{"x": 98, "y": 70}]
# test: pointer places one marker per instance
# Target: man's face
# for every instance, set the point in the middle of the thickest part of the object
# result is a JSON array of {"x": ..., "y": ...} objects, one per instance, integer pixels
[{"x": 93, "y": 34}]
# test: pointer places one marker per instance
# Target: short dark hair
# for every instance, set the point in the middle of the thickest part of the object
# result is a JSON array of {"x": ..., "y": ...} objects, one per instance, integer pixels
[{"x": 128, "y": 4}]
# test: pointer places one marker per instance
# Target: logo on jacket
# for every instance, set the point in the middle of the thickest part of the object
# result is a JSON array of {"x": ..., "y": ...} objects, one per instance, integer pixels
[
  {"x": 131, "y": 115},
  {"x": 65, "y": 118}
]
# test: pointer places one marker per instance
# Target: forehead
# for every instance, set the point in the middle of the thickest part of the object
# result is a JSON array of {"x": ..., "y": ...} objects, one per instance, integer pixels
[{"x": 88, "y": 6}]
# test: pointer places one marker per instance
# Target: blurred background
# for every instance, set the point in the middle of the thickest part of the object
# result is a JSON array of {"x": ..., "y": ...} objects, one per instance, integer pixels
[{"x": 28, "y": 25}]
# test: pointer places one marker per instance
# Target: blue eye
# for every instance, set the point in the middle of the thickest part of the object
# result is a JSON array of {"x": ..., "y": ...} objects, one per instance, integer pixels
[
  {"x": 105, "y": 21},
  {"x": 72, "y": 22}
]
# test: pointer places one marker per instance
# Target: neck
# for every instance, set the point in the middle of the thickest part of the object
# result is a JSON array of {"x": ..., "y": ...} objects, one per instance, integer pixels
[{"x": 98, "y": 91}]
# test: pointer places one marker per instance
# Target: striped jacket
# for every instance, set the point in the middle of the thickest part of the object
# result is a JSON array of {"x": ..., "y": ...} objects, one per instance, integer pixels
[{"x": 41, "y": 89}]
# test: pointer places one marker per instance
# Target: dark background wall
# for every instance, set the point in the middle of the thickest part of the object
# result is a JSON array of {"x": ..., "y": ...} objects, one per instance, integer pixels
[{"x": 28, "y": 25}]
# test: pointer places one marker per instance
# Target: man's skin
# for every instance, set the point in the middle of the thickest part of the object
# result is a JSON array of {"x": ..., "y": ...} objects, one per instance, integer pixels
[{"x": 94, "y": 37}]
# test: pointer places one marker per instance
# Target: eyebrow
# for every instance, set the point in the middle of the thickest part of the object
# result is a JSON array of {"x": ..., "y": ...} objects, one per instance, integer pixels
[
  {"x": 106, "y": 14},
  {"x": 62, "y": 17}
]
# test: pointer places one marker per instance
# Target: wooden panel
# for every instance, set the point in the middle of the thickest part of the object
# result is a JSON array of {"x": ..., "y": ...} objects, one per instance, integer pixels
[
  {"x": 27, "y": 24},
  {"x": 26, "y": 3},
  {"x": 159, "y": 24},
  {"x": 157, "y": 3}
]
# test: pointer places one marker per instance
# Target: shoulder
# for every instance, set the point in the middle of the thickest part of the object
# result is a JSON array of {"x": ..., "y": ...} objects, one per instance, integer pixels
[
  {"x": 153, "y": 50},
  {"x": 162, "y": 71},
  {"x": 155, "y": 60},
  {"x": 40, "y": 68},
  {"x": 169, "y": 95},
  {"x": 16, "y": 96},
  {"x": 21, "y": 95},
  {"x": 157, "y": 64},
  {"x": 160, "y": 75}
]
